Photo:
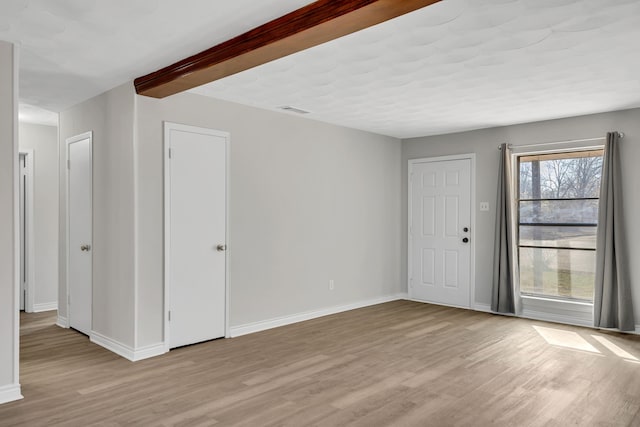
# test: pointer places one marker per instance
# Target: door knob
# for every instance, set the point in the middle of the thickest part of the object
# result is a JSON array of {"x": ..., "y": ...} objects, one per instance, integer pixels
[
  {"x": 221, "y": 248},
  {"x": 466, "y": 229},
  {"x": 465, "y": 240},
  {"x": 85, "y": 248}
]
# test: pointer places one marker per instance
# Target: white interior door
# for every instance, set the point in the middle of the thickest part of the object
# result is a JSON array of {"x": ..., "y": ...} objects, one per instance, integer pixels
[
  {"x": 440, "y": 231},
  {"x": 195, "y": 215},
  {"x": 80, "y": 232},
  {"x": 23, "y": 230}
]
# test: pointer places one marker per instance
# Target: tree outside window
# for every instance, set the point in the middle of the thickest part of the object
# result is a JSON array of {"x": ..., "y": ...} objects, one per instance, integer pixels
[{"x": 558, "y": 215}]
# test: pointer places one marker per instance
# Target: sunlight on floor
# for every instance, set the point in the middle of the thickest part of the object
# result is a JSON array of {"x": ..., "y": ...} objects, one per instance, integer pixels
[
  {"x": 614, "y": 348},
  {"x": 574, "y": 341},
  {"x": 567, "y": 339}
]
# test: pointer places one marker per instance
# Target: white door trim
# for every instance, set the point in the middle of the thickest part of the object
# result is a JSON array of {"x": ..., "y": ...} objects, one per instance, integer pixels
[
  {"x": 68, "y": 142},
  {"x": 472, "y": 266},
  {"x": 168, "y": 126},
  {"x": 29, "y": 302}
]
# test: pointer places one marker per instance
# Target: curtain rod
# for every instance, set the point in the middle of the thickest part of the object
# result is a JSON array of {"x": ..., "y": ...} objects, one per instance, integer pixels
[{"x": 560, "y": 142}]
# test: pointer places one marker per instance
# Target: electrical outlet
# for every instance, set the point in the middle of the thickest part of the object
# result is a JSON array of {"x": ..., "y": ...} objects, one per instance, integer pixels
[
  {"x": 331, "y": 284},
  {"x": 484, "y": 206}
]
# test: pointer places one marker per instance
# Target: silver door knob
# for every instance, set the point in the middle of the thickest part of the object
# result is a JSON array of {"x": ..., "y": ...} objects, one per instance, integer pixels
[
  {"x": 221, "y": 248},
  {"x": 85, "y": 248}
]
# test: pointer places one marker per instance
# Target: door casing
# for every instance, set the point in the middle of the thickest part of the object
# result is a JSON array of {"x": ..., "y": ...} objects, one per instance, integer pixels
[
  {"x": 168, "y": 126},
  {"x": 472, "y": 235},
  {"x": 30, "y": 239}
]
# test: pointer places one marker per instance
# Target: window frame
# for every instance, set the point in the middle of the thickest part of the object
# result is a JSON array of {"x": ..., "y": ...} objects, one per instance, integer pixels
[{"x": 571, "y": 311}]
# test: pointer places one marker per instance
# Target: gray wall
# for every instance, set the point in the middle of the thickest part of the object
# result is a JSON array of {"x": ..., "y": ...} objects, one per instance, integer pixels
[
  {"x": 43, "y": 140},
  {"x": 8, "y": 232},
  {"x": 111, "y": 118},
  {"x": 485, "y": 142},
  {"x": 309, "y": 202}
]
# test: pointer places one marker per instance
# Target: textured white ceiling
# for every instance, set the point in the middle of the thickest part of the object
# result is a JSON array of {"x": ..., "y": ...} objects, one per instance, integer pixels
[
  {"x": 460, "y": 65},
  {"x": 457, "y": 65},
  {"x": 72, "y": 50}
]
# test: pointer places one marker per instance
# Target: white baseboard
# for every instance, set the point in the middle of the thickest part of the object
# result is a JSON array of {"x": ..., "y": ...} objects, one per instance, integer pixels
[
  {"x": 47, "y": 306},
  {"x": 126, "y": 351},
  {"x": 148, "y": 351},
  {"x": 9, "y": 393},
  {"x": 249, "y": 328},
  {"x": 555, "y": 318},
  {"x": 482, "y": 307},
  {"x": 62, "y": 321},
  {"x": 112, "y": 345}
]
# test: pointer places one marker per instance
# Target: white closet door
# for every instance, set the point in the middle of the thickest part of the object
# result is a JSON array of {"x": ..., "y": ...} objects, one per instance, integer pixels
[
  {"x": 196, "y": 256},
  {"x": 80, "y": 233}
]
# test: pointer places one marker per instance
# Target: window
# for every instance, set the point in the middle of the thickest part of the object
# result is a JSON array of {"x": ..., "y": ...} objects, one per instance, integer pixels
[{"x": 557, "y": 221}]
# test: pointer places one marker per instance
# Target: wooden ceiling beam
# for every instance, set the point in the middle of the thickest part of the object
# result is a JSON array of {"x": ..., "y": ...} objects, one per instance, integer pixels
[{"x": 309, "y": 26}]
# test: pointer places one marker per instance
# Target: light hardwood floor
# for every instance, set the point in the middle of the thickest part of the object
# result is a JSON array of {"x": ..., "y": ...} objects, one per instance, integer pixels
[{"x": 397, "y": 364}]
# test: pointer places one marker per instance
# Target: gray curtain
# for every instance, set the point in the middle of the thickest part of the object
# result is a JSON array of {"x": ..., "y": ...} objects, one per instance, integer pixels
[
  {"x": 612, "y": 306},
  {"x": 504, "y": 264}
]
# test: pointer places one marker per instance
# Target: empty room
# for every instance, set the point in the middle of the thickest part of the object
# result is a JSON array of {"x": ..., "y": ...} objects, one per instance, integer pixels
[{"x": 358, "y": 212}]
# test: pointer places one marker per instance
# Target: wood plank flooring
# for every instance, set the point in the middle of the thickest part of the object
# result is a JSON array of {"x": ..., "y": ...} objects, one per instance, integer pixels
[{"x": 396, "y": 364}]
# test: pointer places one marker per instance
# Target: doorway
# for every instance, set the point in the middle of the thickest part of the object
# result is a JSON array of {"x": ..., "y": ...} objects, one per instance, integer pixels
[
  {"x": 27, "y": 245},
  {"x": 79, "y": 232},
  {"x": 441, "y": 225},
  {"x": 195, "y": 191}
]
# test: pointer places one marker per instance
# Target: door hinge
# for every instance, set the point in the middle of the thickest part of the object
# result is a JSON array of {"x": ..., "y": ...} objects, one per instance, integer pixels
[
  {"x": 69, "y": 299},
  {"x": 169, "y": 315},
  {"x": 169, "y": 152},
  {"x": 69, "y": 164}
]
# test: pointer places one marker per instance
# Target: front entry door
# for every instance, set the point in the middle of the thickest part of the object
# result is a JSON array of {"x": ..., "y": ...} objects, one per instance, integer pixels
[
  {"x": 440, "y": 231},
  {"x": 195, "y": 249},
  {"x": 80, "y": 232}
]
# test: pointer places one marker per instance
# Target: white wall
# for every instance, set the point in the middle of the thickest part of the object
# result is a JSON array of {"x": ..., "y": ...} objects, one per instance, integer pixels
[
  {"x": 9, "y": 386},
  {"x": 309, "y": 202},
  {"x": 485, "y": 142},
  {"x": 110, "y": 116},
  {"x": 43, "y": 140}
]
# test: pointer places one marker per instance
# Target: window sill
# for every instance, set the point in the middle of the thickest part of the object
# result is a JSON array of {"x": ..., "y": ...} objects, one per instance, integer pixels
[{"x": 553, "y": 310}]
